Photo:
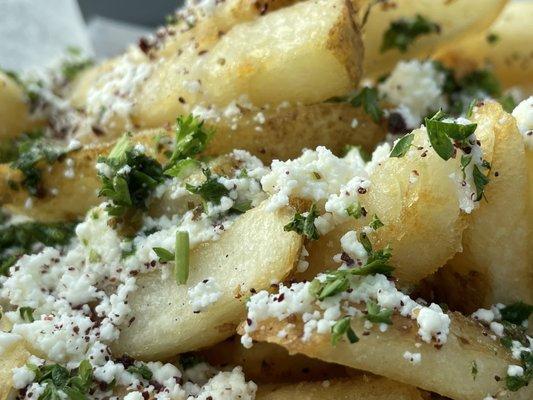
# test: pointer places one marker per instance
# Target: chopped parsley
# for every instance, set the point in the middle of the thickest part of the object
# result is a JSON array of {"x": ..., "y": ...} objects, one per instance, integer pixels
[
  {"x": 368, "y": 98},
  {"x": 356, "y": 211},
  {"x": 31, "y": 153},
  {"x": 338, "y": 281},
  {"x": 378, "y": 315},
  {"x": 211, "y": 190},
  {"x": 513, "y": 383},
  {"x": 376, "y": 222},
  {"x": 131, "y": 179},
  {"x": 516, "y": 313},
  {"x": 75, "y": 384},
  {"x": 493, "y": 38},
  {"x": 191, "y": 139},
  {"x": 474, "y": 370},
  {"x": 480, "y": 181},
  {"x": 402, "y": 146},
  {"x": 26, "y": 313},
  {"x": 142, "y": 370},
  {"x": 19, "y": 239},
  {"x": 402, "y": 33},
  {"x": 304, "y": 225},
  {"x": 180, "y": 257},
  {"x": 342, "y": 327}
]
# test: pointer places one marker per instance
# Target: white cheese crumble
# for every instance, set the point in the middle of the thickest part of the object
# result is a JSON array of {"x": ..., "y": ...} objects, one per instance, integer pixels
[
  {"x": 22, "y": 377},
  {"x": 523, "y": 114},
  {"x": 203, "y": 294},
  {"x": 515, "y": 370},
  {"x": 413, "y": 358},
  {"x": 417, "y": 86},
  {"x": 319, "y": 316}
]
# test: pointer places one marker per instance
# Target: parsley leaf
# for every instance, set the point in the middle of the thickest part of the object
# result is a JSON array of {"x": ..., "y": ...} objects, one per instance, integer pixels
[
  {"x": 376, "y": 222},
  {"x": 493, "y": 38},
  {"x": 474, "y": 370},
  {"x": 26, "y": 313},
  {"x": 131, "y": 179},
  {"x": 377, "y": 314},
  {"x": 75, "y": 384},
  {"x": 342, "y": 327},
  {"x": 369, "y": 99},
  {"x": 516, "y": 313},
  {"x": 163, "y": 254},
  {"x": 480, "y": 181},
  {"x": 210, "y": 190},
  {"x": 402, "y": 33},
  {"x": 142, "y": 370},
  {"x": 513, "y": 383},
  {"x": 402, "y": 146},
  {"x": 356, "y": 211},
  {"x": 191, "y": 138},
  {"x": 304, "y": 225},
  {"x": 31, "y": 155}
]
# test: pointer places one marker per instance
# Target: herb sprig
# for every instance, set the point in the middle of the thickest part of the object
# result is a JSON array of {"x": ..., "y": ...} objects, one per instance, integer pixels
[
  {"x": 304, "y": 225},
  {"x": 402, "y": 33}
]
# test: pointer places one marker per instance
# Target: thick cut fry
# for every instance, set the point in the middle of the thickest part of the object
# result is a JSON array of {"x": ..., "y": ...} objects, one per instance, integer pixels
[
  {"x": 13, "y": 357},
  {"x": 359, "y": 388},
  {"x": 270, "y": 59},
  {"x": 505, "y": 47},
  {"x": 496, "y": 240},
  {"x": 165, "y": 324},
  {"x": 14, "y": 111},
  {"x": 446, "y": 370},
  {"x": 416, "y": 199},
  {"x": 456, "y": 19},
  {"x": 269, "y": 363},
  {"x": 282, "y": 135}
]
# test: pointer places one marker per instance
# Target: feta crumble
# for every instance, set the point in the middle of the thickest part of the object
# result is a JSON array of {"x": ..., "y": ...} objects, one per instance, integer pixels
[{"x": 203, "y": 294}]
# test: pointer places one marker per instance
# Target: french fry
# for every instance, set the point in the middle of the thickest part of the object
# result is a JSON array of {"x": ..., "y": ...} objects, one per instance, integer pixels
[
  {"x": 268, "y": 363},
  {"x": 328, "y": 124},
  {"x": 503, "y": 47},
  {"x": 165, "y": 324},
  {"x": 456, "y": 19},
  {"x": 382, "y": 353},
  {"x": 363, "y": 387}
]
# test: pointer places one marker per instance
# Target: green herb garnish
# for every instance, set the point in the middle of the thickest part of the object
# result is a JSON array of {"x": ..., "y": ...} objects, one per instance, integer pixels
[
  {"x": 493, "y": 38},
  {"x": 181, "y": 257},
  {"x": 402, "y": 33},
  {"x": 402, "y": 146},
  {"x": 355, "y": 210},
  {"x": 474, "y": 370},
  {"x": 75, "y": 384},
  {"x": 342, "y": 327},
  {"x": 376, "y": 314},
  {"x": 304, "y": 225},
  {"x": 211, "y": 190},
  {"x": 516, "y": 313},
  {"x": 133, "y": 177},
  {"x": 26, "y": 313},
  {"x": 368, "y": 98},
  {"x": 376, "y": 222},
  {"x": 142, "y": 370}
]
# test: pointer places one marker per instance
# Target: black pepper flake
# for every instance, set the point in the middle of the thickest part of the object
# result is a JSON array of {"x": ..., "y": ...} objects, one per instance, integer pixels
[
  {"x": 249, "y": 321},
  {"x": 361, "y": 190},
  {"x": 281, "y": 297},
  {"x": 181, "y": 100}
]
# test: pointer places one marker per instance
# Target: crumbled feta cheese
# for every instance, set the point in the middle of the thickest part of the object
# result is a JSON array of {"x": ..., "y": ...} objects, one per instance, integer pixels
[
  {"x": 417, "y": 86},
  {"x": 433, "y": 323},
  {"x": 523, "y": 114},
  {"x": 413, "y": 358},
  {"x": 515, "y": 370},
  {"x": 204, "y": 294},
  {"x": 22, "y": 377}
]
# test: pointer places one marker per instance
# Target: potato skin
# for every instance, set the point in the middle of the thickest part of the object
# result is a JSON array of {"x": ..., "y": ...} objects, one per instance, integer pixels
[{"x": 446, "y": 370}]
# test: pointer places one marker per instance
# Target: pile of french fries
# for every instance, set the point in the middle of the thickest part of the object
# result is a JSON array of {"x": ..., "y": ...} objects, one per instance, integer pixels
[{"x": 290, "y": 58}]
